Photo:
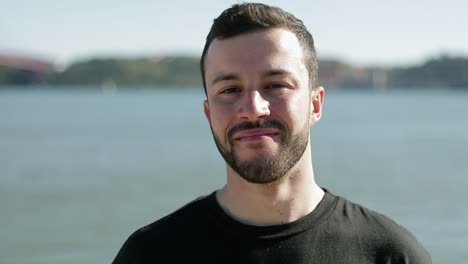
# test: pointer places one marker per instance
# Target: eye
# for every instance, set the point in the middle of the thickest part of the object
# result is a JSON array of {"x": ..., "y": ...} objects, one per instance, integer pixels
[
  {"x": 230, "y": 90},
  {"x": 275, "y": 86}
]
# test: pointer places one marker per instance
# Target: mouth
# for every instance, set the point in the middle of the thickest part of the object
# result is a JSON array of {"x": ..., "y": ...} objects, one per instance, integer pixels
[{"x": 256, "y": 134}]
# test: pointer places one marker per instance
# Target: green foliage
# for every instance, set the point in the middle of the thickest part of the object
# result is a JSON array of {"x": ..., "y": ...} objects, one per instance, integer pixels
[{"x": 177, "y": 71}]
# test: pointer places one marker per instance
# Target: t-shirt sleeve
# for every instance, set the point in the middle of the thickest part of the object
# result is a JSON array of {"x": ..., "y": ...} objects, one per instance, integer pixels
[
  {"x": 401, "y": 245},
  {"x": 408, "y": 250},
  {"x": 380, "y": 237}
]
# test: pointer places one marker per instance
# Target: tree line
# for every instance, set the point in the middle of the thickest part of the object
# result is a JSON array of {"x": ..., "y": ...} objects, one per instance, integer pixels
[{"x": 183, "y": 71}]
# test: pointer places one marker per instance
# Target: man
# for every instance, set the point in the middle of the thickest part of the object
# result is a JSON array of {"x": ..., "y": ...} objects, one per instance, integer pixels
[{"x": 259, "y": 70}]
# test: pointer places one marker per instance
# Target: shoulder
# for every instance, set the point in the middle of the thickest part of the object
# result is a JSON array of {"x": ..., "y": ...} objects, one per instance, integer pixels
[
  {"x": 167, "y": 232},
  {"x": 392, "y": 242},
  {"x": 184, "y": 217},
  {"x": 367, "y": 220}
]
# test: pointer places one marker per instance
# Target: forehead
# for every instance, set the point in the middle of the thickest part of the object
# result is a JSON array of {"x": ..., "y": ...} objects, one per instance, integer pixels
[{"x": 255, "y": 52}]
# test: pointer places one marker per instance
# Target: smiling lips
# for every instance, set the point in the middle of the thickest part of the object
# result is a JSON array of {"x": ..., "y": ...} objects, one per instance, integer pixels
[{"x": 255, "y": 134}]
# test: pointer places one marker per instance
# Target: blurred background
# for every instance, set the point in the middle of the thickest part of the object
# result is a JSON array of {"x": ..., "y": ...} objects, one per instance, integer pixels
[{"x": 102, "y": 129}]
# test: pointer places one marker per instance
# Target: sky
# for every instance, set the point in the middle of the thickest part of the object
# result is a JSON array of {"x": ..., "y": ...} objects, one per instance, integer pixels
[{"x": 361, "y": 32}]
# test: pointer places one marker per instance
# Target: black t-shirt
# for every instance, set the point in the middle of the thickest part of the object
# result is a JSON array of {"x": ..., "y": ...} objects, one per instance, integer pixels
[{"x": 337, "y": 231}]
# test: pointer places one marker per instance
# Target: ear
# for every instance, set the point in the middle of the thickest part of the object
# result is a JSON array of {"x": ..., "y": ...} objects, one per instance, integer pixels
[
  {"x": 316, "y": 101},
  {"x": 206, "y": 109}
]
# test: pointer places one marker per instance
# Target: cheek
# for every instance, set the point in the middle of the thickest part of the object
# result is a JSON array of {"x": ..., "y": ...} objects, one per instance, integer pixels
[
  {"x": 220, "y": 118},
  {"x": 294, "y": 111}
]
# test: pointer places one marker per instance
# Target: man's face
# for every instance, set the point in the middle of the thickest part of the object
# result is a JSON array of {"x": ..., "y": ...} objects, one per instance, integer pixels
[{"x": 259, "y": 102}]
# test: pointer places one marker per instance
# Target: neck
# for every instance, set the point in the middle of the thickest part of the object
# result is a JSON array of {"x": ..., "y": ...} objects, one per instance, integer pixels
[{"x": 287, "y": 200}]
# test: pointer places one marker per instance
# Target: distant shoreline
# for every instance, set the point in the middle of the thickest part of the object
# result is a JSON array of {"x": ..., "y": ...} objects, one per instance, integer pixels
[{"x": 183, "y": 72}]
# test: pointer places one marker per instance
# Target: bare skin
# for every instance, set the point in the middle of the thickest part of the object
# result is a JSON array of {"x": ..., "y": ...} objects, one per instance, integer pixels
[{"x": 254, "y": 76}]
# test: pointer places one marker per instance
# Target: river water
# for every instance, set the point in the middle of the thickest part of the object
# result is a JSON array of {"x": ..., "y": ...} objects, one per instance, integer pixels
[{"x": 81, "y": 169}]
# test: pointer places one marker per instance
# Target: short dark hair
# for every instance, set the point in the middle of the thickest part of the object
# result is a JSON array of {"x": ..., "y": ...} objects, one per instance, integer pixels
[{"x": 250, "y": 17}]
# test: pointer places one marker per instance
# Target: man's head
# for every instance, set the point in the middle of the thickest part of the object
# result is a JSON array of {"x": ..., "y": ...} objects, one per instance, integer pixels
[
  {"x": 260, "y": 98},
  {"x": 251, "y": 17}
]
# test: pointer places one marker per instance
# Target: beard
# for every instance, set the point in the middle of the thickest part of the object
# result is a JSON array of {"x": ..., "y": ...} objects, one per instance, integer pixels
[{"x": 265, "y": 170}]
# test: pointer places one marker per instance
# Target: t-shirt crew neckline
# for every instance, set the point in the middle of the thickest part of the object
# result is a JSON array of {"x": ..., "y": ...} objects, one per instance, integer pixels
[{"x": 311, "y": 220}]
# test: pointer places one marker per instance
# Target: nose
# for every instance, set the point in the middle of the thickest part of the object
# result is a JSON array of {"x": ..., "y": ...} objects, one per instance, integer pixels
[{"x": 254, "y": 106}]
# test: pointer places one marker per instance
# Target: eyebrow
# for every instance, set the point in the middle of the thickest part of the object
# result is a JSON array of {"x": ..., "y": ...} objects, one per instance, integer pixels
[
  {"x": 231, "y": 76},
  {"x": 275, "y": 72},
  {"x": 225, "y": 77}
]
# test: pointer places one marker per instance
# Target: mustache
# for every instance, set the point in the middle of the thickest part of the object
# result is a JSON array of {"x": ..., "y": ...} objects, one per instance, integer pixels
[{"x": 262, "y": 123}]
